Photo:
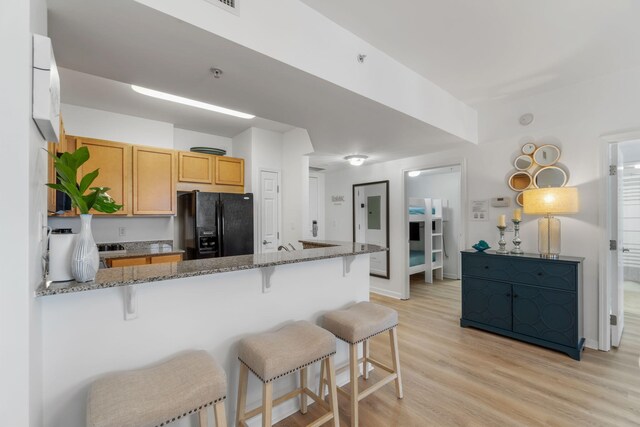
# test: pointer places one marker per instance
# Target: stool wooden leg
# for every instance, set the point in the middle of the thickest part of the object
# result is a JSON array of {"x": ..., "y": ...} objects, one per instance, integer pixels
[
  {"x": 242, "y": 394},
  {"x": 333, "y": 390},
  {"x": 220, "y": 415},
  {"x": 321, "y": 382},
  {"x": 354, "y": 371},
  {"x": 395, "y": 356},
  {"x": 267, "y": 403},
  {"x": 365, "y": 356},
  {"x": 303, "y": 385},
  {"x": 202, "y": 417}
]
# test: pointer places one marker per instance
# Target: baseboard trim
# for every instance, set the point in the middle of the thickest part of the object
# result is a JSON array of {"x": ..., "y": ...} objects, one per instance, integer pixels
[
  {"x": 386, "y": 292},
  {"x": 450, "y": 276},
  {"x": 592, "y": 344}
]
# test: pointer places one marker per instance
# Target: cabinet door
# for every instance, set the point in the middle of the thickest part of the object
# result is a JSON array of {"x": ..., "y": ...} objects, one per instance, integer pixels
[
  {"x": 194, "y": 167},
  {"x": 114, "y": 161},
  {"x": 154, "y": 181},
  {"x": 229, "y": 171},
  {"x": 127, "y": 262},
  {"x": 487, "y": 302},
  {"x": 546, "y": 314}
]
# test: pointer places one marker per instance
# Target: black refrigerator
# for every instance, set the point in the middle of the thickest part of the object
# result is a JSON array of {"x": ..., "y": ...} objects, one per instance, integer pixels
[{"x": 215, "y": 224}]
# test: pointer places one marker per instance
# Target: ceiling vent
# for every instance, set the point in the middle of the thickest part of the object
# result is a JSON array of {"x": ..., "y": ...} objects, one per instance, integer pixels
[{"x": 228, "y": 5}]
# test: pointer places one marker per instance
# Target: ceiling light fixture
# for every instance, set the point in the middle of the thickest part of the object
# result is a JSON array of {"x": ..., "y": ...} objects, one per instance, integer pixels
[
  {"x": 413, "y": 174},
  {"x": 190, "y": 102},
  {"x": 356, "y": 159}
]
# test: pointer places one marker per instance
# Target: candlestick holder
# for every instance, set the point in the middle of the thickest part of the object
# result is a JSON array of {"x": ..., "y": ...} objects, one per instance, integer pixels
[
  {"x": 502, "y": 243},
  {"x": 516, "y": 238}
]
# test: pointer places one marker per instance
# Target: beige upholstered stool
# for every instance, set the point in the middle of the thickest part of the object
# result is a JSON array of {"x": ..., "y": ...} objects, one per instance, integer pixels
[
  {"x": 356, "y": 325},
  {"x": 276, "y": 354},
  {"x": 158, "y": 395}
]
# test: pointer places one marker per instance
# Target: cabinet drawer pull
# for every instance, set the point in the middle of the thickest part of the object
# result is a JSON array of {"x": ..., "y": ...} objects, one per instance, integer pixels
[
  {"x": 540, "y": 274},
  {"x": 515, "y": 295},
  {"x": 486, "y": 267}
]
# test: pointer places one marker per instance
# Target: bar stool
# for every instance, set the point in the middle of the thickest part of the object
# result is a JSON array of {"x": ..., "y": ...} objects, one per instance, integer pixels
[
  {"x": 273, "y": 355},
  {"x": 159, "y": 395},
  {"x": 355, "y": 325}
]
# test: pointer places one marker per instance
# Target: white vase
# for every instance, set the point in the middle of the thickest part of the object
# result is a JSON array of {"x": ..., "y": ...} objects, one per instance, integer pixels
[{"x": 85, "y": 259}]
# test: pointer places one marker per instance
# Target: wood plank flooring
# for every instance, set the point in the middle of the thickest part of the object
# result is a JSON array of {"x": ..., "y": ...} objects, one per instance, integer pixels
[{"x": 465, "y": 377}]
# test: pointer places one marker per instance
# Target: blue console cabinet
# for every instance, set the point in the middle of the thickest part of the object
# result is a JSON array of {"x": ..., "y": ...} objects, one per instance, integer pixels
[{"x": 524, "y": 297}]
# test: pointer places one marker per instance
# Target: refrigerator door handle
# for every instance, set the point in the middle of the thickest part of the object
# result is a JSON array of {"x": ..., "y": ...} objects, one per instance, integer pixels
[{"x": 221, "y": 229}]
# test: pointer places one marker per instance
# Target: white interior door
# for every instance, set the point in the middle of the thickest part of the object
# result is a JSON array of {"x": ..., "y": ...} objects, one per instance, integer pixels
[
  {"x": 269, "y": 212},
  {"x": 616, "y": 261}
]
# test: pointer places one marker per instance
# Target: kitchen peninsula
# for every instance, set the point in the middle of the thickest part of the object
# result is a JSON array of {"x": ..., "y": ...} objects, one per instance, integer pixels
[{"x": 201, "y": 304}]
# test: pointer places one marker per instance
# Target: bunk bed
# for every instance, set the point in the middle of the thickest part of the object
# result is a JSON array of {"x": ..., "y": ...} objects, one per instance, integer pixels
[{"x": 425, "y": 237}]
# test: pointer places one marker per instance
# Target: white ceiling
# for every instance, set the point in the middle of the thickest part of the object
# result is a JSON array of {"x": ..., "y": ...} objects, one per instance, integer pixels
[
  {"x": 91, "y": 91},
  {"x": 124, "y": 41},
  {"x": 480, "y": 50}
]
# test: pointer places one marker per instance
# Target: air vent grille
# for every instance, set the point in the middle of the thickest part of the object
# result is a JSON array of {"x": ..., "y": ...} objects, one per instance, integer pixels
[{"x": 228, "y": 5}]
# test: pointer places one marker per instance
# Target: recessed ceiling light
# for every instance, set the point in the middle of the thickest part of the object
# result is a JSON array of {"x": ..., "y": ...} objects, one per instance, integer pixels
[
  {"x": 356, "y": 159},
  {"x": 190, "y": 102},
  {"x": 413, "y": 174}
]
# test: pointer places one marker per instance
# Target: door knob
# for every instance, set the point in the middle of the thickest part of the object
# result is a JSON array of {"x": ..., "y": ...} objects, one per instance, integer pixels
[
  {"x": 264, "y": 242},
  {"x": 626, "y": 250}
]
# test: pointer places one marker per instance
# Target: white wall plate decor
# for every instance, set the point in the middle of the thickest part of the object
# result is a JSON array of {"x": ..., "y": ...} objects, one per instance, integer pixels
[
  {"x": 46, "y": 89},
  {"x": 528, "y": 148},
  {"x": 546, "y": 155}
]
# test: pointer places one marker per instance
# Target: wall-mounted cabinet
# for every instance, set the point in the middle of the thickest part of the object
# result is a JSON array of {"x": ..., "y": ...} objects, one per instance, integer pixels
[
  {"x": 154, "y": 181},
  {"x": 113, "y": 159},
  {"x": 195, "y": 167},
  {"x": 229, "y": 171}
]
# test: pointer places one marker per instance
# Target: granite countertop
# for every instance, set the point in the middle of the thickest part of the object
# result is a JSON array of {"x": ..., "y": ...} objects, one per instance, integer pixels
[{"x": 122, "y": 276}]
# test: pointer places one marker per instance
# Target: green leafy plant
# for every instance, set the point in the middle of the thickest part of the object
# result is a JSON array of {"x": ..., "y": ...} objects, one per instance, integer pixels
[{"x": 67, "y": 171}]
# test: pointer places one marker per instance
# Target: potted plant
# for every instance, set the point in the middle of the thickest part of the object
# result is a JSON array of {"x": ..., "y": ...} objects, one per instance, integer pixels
[{"x": 85, "y": 259}]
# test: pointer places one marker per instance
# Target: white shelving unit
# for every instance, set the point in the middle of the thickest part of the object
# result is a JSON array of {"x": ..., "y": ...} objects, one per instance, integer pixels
[{"x": 428, "y": 213}]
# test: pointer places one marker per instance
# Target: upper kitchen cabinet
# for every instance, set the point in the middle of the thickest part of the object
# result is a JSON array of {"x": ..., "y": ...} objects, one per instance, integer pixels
[
  {"x": 113, "y": 159},
  {"x": 195, "y": 167},
  {"x": 154, "y": 181},
  {"x": 229, "y": 171}
]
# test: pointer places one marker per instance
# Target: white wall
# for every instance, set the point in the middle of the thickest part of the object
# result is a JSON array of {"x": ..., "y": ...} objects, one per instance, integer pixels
[
  {"x": 184, "y": 139},
  {"x": 446, "y": 186},
  {"x": 324, "y": 49},
  {"x": 320, "y": 202},
  {"x": 296, "y": 144},
  {"x": 92, "y": 123},
  {"x": 23, "y": 175},
  {"x": 573, "y": 117}
]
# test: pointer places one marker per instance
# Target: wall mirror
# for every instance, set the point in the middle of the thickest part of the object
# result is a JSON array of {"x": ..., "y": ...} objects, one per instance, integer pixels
[
  {"x": 546, "y": 155},
  {"x": 520, "y": 199},
  {"x": 520, "y": 181},
  {"x": 523, "y": 162},
  {"x": 371, "y": 222},
  {"x": 550, "y": 176},
  {"x": 528, "y": 148}
]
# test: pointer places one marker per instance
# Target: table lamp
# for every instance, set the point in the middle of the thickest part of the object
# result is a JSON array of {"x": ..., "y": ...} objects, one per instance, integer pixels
[{"x": 550, "y": 201}]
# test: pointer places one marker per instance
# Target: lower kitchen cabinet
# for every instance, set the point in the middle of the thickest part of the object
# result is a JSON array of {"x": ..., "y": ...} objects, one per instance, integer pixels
[
  {"x": 524, "y": 297},
  {"x": 143, "y": 260}
]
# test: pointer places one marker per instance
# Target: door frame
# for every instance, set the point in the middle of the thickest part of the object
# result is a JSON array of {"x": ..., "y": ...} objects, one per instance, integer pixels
[
  {"x": 604, "y": 285},
  {"x": 353, "y": 220},
  {"x": 462, "y": 162},
  {"x": 258, "y": 242}
]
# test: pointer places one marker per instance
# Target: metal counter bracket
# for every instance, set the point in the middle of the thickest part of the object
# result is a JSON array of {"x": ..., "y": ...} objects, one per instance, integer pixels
[
  {"x": 346, "y": 263},
  {"x": 130, "y": 302},
  {"x": 267, "y": 272}
]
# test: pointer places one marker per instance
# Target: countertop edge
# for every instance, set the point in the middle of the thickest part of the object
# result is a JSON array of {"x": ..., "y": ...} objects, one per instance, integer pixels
[{"x": 43, "y": 290}]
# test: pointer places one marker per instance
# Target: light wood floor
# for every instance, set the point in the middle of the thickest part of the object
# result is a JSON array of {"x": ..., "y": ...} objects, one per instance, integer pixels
[{"x": 454, "y": 376}]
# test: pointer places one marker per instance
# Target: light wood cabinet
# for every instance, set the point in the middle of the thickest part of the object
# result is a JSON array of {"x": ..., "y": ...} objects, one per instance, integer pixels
[
  {"x": 195, "y": 167},
  {"x": 143, "y": 260},
  {"x": 154, "y": 181},
  {"x": 229, "y": 171},
  {"x": 113, "y": 159}
]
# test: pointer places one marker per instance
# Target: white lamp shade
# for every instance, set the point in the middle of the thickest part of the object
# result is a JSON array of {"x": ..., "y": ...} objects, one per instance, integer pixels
[{"x": 554, "y": 200}]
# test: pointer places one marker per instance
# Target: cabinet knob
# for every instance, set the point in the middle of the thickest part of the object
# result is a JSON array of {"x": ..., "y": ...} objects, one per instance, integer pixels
[
  {"x": 486, "y": 267},
  {"x": 540, "y": 274},
  {"x": 515, "y": 295}
]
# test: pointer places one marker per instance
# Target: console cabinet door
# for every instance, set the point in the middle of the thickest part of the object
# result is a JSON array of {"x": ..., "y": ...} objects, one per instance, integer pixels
[
  {"x": 154, "y": 181},
  {"x": 486, "y": 302},
  {"x": 545, "y": 314},
  {"x": 114, "y": 161}
]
